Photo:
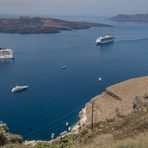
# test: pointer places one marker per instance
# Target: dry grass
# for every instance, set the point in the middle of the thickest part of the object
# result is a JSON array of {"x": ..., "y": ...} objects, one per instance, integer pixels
[
  {"x": 126, "y": 132},
  {"x": 129, "y": 131},
  {"x": 15, "y": 146},
  {"x": 108, "y": 142},
  {"x": 103, "y": 141}
]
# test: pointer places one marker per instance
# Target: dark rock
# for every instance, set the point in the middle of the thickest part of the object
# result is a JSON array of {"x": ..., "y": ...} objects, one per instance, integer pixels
[{"x": 137, "y": 102}]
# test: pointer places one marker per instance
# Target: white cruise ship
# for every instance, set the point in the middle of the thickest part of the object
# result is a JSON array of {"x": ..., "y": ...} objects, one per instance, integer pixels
[
  {"x": 104, "y": 39},
  {"x": 6, "y": 53}
]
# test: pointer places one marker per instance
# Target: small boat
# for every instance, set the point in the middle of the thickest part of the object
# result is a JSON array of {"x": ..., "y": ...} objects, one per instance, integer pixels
[
  {"x": 69, "y": 128},
  {"x": 52, "y": 135},
  {"x": 67, "y": 124},
  {"x": 99, "y": 79},
  {"x": 64, "y": 67},
  {"x": 104, "y": 39},
  {"x": 19, "y": 88}
]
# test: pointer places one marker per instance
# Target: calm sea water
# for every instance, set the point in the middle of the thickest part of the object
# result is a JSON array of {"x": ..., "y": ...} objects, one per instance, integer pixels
[{"x": 56, "y": 96}]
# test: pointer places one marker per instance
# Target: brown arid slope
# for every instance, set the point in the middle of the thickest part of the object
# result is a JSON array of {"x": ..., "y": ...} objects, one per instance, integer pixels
[
  {"x": 117, "y": 99},
  {"x": 107, "y": 141},
  {"x": 36, "y": 25}
]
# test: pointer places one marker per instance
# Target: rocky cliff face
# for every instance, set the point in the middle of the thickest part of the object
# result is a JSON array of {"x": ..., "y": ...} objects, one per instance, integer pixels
[{"x": 117, "y": 100}]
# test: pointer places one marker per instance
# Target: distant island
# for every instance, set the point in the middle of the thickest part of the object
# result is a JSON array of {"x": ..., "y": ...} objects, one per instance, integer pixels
[
  {"x": 36, "y": 25},
  {"x": 136, "y": 17}
]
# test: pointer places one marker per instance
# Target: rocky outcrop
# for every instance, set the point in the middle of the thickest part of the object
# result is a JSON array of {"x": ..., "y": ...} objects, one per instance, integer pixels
[
  {"x": 6, "y": 137},
  {"x": 36, "y": 25},
  {"x": 117, "y": 99}
]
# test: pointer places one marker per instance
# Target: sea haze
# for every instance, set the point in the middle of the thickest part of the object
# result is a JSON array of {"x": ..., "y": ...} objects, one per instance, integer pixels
[{"x": 56, "y": 96}]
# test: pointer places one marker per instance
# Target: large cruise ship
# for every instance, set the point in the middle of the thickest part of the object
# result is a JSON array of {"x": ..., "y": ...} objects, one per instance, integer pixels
[
  {"x": 104, "y": 39},
  {"x": 6, "y": 53}
]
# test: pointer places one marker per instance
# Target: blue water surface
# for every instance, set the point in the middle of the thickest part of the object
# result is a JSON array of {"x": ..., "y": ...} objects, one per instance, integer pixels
[{"x": 56, "y": 96}]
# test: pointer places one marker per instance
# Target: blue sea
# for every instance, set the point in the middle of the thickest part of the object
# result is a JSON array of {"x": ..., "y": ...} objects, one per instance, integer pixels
[{"x": 56, "y": 96}]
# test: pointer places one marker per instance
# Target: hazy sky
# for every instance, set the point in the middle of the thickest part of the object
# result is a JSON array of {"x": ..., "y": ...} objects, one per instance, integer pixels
[{"x": 73, "y": 7}]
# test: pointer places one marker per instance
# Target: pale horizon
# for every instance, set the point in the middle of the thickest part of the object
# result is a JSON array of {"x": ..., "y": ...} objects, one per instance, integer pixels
[{"x": 70, "y": 8}]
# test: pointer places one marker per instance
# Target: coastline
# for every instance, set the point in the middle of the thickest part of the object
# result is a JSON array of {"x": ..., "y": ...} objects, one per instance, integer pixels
[
  {"x": 119, "y": 96},
  {"x": 116, "y": 98},
  {"x": 106, "y": 51}
]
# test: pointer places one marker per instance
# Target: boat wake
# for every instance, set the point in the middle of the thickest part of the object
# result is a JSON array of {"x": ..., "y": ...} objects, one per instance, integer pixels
[{"x": 131, "y": 39}]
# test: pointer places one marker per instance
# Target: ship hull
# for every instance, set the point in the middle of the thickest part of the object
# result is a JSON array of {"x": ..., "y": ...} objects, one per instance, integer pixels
[
  {"x": 6, "y": 56},
  {"x": 104, "y": 42},
  {"x": 15, "y": 89},
  {"x": 104, "y": 39},
  {"x": 6, "y": 53}
]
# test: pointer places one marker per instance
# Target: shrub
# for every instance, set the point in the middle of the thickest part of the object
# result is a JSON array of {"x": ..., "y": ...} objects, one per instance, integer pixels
[
  {"x": 146, "y": 96},
  {"x": 15, "y": 138}
]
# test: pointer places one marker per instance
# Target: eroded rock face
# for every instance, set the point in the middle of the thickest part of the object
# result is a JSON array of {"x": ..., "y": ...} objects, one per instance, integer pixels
[{"x": 117, "y": 99}]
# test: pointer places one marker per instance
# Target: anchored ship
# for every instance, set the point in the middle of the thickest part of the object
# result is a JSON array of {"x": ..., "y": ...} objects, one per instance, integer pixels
[
  {"x": 19, "y": 88},
  {"x": 104, "y": 39},
  {"x": 6, "y": 53}
]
